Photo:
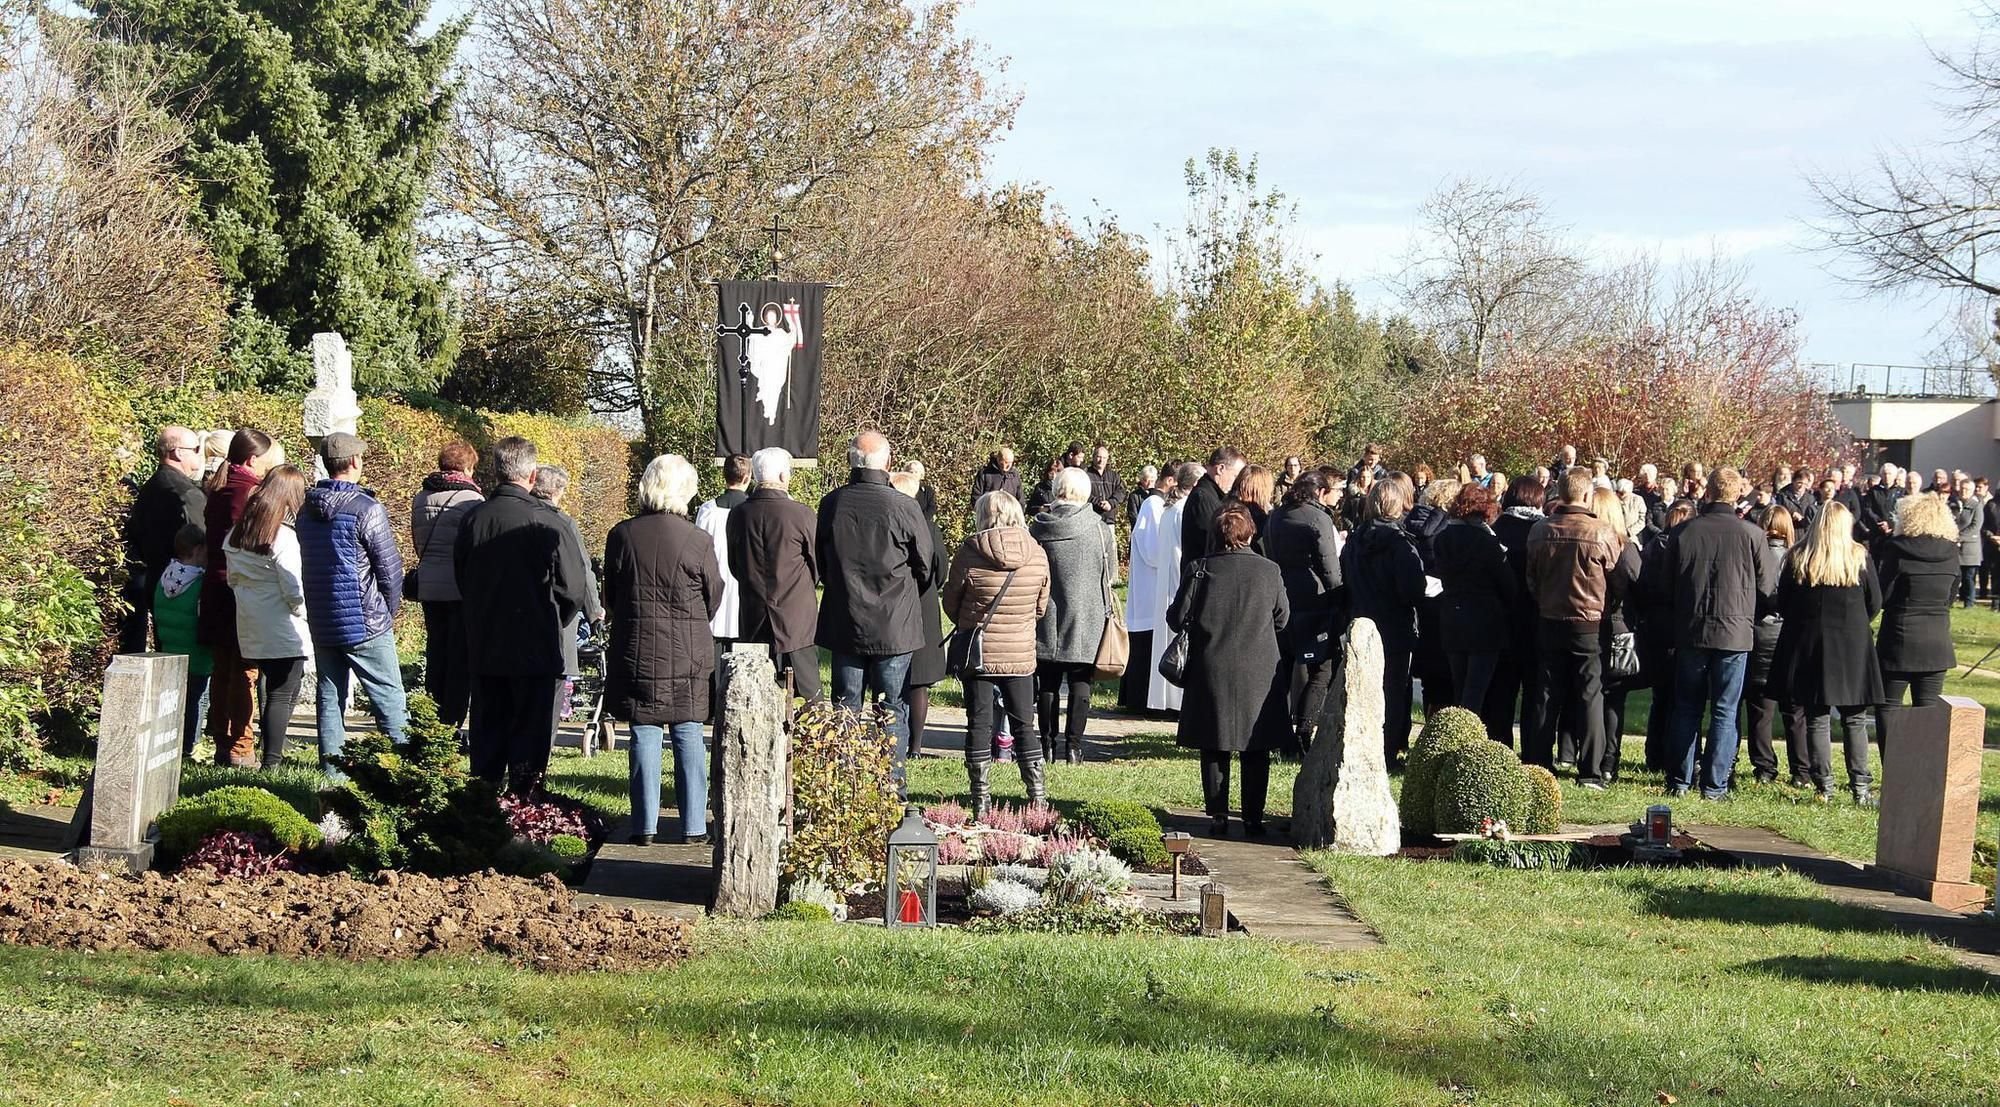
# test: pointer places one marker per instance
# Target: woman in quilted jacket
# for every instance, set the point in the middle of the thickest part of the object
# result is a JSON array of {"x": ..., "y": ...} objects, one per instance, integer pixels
[{"x": 998, "y": 590}]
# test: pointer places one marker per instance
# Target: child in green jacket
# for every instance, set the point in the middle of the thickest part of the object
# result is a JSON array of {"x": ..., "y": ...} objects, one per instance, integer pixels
[{"x": 175, "y": 599}]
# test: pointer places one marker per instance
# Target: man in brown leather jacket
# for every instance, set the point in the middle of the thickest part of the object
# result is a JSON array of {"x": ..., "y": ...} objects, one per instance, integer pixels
[{"x": 1569, "y": 555}]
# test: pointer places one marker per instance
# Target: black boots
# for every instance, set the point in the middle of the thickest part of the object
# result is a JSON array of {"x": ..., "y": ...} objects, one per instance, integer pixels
[
  {"x": 976, "y": 766},
  {"x": 1032, "y": 776}
]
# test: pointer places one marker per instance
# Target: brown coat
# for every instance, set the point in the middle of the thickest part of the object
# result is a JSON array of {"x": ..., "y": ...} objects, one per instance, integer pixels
[
  {"x": 774, "y": 558},
  {"x": 977, "y": 571},
  {"x": 1570, "y": 554}
]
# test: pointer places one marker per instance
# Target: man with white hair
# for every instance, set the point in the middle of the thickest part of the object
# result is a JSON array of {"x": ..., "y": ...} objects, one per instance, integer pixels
[
  {"x": 772, "y": 541},
  {"x": 874, "y": 548},
  {"x": 1878, "y": 505},
  {"x": 1147, "y": 488},
  {"x": 170, "y": 499},
  {"x": 522, "y": 581}
]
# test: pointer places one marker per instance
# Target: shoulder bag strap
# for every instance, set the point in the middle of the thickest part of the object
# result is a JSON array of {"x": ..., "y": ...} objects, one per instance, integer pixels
[{"x": 994, "y": 605}]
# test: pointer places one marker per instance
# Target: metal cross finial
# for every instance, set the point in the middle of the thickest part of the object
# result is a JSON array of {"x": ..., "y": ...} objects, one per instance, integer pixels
[
  {"x": 742, "y": 330},
  {"x": 776, "y": 229}
]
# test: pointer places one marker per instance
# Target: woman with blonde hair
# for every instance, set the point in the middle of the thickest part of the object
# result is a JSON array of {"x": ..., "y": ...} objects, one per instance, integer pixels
[
  {"x": 1825, "y": 661},
  {"x": 1384, "y": 577},
  {"x": 998, "y": 588},
  {"x": 1919, "y": 571},
  {"x": 1617, "y": 644},
  {"x": 1762, "y": 709},
  {"x": 1257, "y": 489}
]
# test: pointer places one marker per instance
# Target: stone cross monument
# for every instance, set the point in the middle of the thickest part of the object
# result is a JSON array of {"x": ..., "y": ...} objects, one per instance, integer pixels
[{"x": 331, "y": 405}]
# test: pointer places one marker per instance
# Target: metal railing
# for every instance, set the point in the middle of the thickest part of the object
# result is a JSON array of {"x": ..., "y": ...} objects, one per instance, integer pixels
[{"x": 1908, "y": 381}]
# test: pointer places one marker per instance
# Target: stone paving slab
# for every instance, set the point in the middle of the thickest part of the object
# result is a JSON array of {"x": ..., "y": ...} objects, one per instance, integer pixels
[
  {"x": 35, "y": 832},
  {"x": 661, "y": 879},
  {"x": 1273, "y": 893}
]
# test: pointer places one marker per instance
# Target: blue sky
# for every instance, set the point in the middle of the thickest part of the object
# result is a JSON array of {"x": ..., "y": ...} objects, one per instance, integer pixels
[{"x": 1676, "y": 125}]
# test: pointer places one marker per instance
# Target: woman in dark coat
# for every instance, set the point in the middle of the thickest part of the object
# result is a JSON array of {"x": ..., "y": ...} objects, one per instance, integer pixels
[
  {"x": 1919, "y": 573},
  {"x": 1479, "y": 594},
  {"x": 233, "y": 684},
  {"x": 1620, "y": 582},
  {"x": 1825, "y": 660},
  {"x": 927, "y": 664},
  {"x": 1514, "y": 683},
  {"x": 1428, "y": 664},
  {"x": 1655, "y": 630},
  {"x": 1758, "y": 702},
  {"x": 1300, "y": 537},
  {"x": 1232, "y": 605},
  {"x": 1385, "y": 580},
  {"x": 661, "y": 588}
]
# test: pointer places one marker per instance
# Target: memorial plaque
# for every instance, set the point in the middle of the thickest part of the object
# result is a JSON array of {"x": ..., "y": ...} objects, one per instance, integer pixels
[
  {"x": 138, "y": 770},
  {"x": 1930, "y": 800}
]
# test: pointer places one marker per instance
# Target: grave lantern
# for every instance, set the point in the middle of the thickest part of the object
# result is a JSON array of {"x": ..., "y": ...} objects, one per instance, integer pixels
[
  {"x": 1659, "y": 825},
  {"x": 909, "y": 877},
  {"x": 1214, "y": 913},
  {"x": 1178, "y": 842}
]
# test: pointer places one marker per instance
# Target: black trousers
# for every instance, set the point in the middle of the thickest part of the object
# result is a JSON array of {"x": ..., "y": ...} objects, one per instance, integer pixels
[
  {"x": 1018, "y": 692},
  {"x": 1614, "y": 731},
  {"x": 1138, "y": 674},
  {"x": 1311, "y": 680},
  {"x": 1923, "y": 687},
  {"x": 1475, "y": 677},
  {"x": 512, "y": 719},
  {"x": 1571, "y": 694},
  {"x": 803, "y": 664},
  {"x": 1763, "y": 714},
  {"x": 445, "y": 677},
  {"x": 1395, "y": 699},
  {"x": 1514, "y": 684},
  {"x": 1054, "y": 679},
  {"x": 1660, "y": 670},
  {"x": 1215, "y": 783},
  {"x": 277, "y": 694}
]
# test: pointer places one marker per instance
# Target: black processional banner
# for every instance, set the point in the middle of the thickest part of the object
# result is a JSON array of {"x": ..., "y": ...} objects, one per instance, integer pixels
[{"x": 767, "y": 352}]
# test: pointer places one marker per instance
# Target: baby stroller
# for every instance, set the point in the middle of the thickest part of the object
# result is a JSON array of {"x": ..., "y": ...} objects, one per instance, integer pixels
[{"x": 586, "y": 693}]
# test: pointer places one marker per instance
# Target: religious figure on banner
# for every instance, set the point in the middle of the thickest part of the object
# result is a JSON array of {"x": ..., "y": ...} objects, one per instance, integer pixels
[{"x": 770, "y": 354}]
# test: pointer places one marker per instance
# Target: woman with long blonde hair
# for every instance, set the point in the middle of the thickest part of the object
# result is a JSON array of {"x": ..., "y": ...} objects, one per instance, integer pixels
[
  {"x": 1825, "y": 660},
  {"x": 1919, "y": 571}
]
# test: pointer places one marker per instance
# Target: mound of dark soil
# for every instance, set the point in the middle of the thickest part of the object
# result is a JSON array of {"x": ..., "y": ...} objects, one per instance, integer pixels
[{"x": 536, "y": 923}]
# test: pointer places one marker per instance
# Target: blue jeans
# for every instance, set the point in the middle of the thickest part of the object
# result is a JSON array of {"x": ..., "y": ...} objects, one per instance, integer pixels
[
  {"x": 885, "y": 677},
  {"x": 1703, "y": 677},
  {"x": 690, "y": 777},
  {"x": 375, "y": 665}
]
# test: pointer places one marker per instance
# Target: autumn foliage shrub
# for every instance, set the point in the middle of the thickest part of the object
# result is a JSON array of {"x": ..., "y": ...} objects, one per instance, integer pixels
[{"x": 845, "y": 799}]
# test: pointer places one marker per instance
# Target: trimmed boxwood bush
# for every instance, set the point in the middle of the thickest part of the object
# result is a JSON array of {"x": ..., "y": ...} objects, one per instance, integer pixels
[
  {"x": 1545, "y": 801},
  {"x": 1450, "y": 729},
  {"x": 569, "y": 847},
  {"x": 801, "y": 912},
  {"x": 1480, "y": 781},
  {"x": 1136, "y": 846},
  {"x": 1106, "y": 818},
  {"x": 252, "y": 811}
]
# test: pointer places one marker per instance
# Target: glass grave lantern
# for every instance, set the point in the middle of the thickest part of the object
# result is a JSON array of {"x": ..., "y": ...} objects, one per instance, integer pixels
[
  {"x": 1214, "y": 911},
  {"x": 910, "y": 874}
]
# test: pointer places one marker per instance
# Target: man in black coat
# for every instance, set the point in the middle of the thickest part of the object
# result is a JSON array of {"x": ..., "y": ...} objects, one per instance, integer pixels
[
  {"x": 874, "y": 548},
  {"x": 772, "y": 554},
  {"x": 1107, "y": 492},
  {"x": 1877, "y": 516},
  {"x": 522, "y": 581},
  {"x": 1148, "y": 487},
  {"x": 1559, "y": 468},
  {"x": 1370, "y": 463},
  {"x": 1715, "y": 578},
  {"x": 999, "y": 475},
  {"x": 1198, "y": 515},
  {"x": 169, "y": 500}
]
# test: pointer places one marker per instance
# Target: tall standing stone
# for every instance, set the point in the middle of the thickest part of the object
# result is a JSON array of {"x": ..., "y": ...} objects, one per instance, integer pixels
[
  {"x": 1342, "y": 798},
  {"x": 752, "y": 750},
  {"x": 138, "y": 769},
  {"x": 1930, "y": 800}
]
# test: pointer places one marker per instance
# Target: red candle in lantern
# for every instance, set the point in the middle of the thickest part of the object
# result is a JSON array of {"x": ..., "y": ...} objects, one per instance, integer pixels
[{"x": 913, "y": 907}]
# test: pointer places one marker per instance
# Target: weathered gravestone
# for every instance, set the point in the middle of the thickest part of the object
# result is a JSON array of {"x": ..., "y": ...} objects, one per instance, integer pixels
[
  {"x": 751, "y": 752},
  {"x": 1930, "y": 800},
  {"x": 1341, "y": 798},
  {"x": 138, "y": 770}
]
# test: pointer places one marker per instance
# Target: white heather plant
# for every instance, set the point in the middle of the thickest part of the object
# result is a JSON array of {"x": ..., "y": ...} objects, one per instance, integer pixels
[
  {"x": 1004, "y": 897},
  {"x": 1021, "y": 874},
  {"x": 1088, "y": 876},
  {"x": 333, "y": 829}
]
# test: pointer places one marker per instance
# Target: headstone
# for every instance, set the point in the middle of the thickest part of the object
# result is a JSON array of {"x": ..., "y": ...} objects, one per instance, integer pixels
[
  {"x": 138, "y": 770},
  {"x": 331, "y": 405},
  {"x": 1341, "y": 798},
  {"x": 751, "y": 752},
  {"x": 1930, "y": 800}
]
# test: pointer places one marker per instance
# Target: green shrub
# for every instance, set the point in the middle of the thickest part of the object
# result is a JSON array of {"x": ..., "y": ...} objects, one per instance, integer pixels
[
  {"x": 415, "y": 807},
  {"x": 1106, "y": 818},
  {"x": 1136, "y": 846},
  {"x": 1545, "y": 801},
  {"x": 1093, "y": 918},
  {"x": 521, "y": 857},
  {"x": 800, "y": 911},
  {"x": 568, "y": 846},
  {"x": 1450, "y": 729},
  {"x": 845, "y": 800},
  {"x": 1517, "y": 855},
  {"x": 250, "y": 810},
  {"x": 1479, "y": 781}
]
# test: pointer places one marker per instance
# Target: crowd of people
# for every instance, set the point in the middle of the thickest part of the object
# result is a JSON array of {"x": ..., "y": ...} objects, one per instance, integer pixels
[{"x": 1540, "y": 602}]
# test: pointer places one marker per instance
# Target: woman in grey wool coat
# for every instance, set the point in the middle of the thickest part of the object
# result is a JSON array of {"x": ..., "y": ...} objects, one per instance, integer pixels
[{"x": 1083, "y": 556}]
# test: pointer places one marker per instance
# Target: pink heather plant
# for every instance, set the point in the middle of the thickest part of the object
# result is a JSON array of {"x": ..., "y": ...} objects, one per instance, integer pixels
[
  {"x": 953, "y": 850},
  {"x": 1039, "y": 818},
  {"x": 1004, "y": 817},
  {"x": 1002, "y": 848},
  {"x": 1058, "y": 845},
  {"x": 947, "y": 814}
]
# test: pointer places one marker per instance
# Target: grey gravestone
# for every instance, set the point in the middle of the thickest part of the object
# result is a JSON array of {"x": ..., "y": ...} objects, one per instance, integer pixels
[
  {"x": 138, "y": 770},
  {"x": 751, "y": 752},
  {"x": 1342, "y": 798}
]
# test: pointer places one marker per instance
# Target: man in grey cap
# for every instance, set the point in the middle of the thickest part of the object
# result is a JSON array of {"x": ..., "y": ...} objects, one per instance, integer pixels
[{"x": 354, "y": 584}]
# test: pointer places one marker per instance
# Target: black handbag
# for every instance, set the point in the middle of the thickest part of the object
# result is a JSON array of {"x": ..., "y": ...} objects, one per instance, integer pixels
[
  {"x": 965, "y": 654},
  {"x": 1174, "y": 659}
]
